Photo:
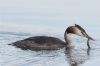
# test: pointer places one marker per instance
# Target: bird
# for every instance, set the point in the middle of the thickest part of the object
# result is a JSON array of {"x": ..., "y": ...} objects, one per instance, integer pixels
[{"x": 50, "y": 43}]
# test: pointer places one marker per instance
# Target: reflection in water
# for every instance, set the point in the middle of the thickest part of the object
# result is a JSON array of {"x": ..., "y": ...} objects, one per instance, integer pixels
[
  {"x": 76, "y": 57},
  {"x": 88, "y": 52}
]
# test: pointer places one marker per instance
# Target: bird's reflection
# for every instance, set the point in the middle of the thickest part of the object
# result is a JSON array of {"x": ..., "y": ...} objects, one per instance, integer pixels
[{"x": 76, "y": 57}]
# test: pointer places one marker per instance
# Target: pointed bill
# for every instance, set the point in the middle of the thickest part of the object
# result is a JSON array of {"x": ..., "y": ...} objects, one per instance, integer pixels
[{"x": 84, "y": 32}]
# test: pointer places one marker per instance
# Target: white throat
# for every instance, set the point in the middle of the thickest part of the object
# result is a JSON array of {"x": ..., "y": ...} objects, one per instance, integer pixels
[{"x": 68, "y": 39}]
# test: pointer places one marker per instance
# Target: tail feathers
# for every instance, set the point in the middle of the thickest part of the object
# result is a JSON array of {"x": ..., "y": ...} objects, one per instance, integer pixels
[{"x": 10, "y": 44}]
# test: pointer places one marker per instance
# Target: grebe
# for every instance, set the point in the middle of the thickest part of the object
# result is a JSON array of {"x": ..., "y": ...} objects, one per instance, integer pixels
[{"x": 46, "y": 42}]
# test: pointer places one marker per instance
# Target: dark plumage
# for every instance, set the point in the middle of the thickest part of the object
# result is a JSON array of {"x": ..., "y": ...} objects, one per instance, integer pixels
[{"x": 40, "y": 42}]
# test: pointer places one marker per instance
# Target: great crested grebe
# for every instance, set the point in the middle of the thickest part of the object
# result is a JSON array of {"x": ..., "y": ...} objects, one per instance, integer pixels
[{"x": 46, "y": 42}]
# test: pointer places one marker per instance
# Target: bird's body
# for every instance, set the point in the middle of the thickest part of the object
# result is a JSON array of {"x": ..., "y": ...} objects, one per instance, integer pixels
[
  {"x": 46, "y": 42},
  {"x": 40, "y": 42}
]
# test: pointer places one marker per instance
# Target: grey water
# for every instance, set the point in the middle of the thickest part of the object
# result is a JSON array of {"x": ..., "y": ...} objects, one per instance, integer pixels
[{"x": 22, "y": 19}]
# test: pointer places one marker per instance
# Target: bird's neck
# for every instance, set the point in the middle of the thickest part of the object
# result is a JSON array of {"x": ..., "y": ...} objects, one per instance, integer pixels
[{"x": 68, "y": 40}]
